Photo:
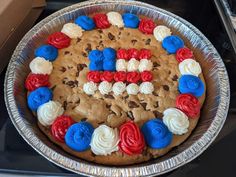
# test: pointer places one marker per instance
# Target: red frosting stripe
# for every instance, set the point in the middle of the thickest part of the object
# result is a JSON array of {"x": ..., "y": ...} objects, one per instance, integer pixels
[
  {"x": 133, "y": 53},
  {"x": 133, "y": 77},
  {"x": 189, "y": 104},
  {"x": 58, "y": 40},
  {"x": 146, "y": 26},
  {"x": 34, "y": 81},
  {"x": 122, "y": 54},
  {"x": 101, "y": 21},
  {"x": 184, "y": 53},
  {"x": 146, "y": 76},
  {"x": 107, "y": 76},
  {"x": 94, "y": 76},
  {"x": 145, "y": 54},
  {"x": 60, "y": 127},
  {"x": 131, "y": 139},
  {"x": 120, "y": 76}
]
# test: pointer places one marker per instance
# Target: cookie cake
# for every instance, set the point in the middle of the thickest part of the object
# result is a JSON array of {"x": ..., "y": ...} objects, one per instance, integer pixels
[{"x": 115, "y": 88}]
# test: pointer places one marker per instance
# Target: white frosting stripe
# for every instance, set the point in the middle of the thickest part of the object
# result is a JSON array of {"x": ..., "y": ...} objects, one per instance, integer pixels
[
  {"x": 115, "y": 19},
  {"x": 146, "y": 88},
  {"x": 72, "y": 30},
  {"x": 190, "y": 66},
  {"x": 133, "y": 65},
  {"x": 121, "y": 65},
  {"x": 40, "y": 66},
  {"x": 105, "y": 87},
  {"x": 160, "y": 32},
  {"x": 118, "y": 88},
  {"x": 48, "y": 112},
  {"x": 104, "y": 140},
  {"x": 145, "y": 65},
  {"x": 90, "y": 88},
  {"x": 176, "y": 121}
]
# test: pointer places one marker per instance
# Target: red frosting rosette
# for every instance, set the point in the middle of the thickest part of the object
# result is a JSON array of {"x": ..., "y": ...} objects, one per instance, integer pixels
[
  {"x": 60, "y": 127},
  {"x": 120, "y": 76},
  {"x": 34, "y": 81},
  {"x": 94, "y": 76},
  {"x": 58, "y": 40},
  {"x": 122, "y": 54},
  {"x": 145, "y": 54},
  {"x": 133, "y": 53},
  {"x": 131, "y": 139},
  {"x": 101, "y": 21},
  {"x": 146, "y": 76},
  {"x": 184, "y": 53},
  {"x": 189, "y": 104},
  {"x": 107, "y": 76},
  {"x": 146, "y": 26},
  {"x": 133, "y": 77}
]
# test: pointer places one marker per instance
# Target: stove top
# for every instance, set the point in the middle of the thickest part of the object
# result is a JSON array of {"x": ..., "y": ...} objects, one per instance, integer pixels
[{"x": 17, "y": 157}]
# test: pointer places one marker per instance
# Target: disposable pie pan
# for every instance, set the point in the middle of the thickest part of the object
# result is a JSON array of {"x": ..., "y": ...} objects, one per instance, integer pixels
[{"x": 213, "y": 113}]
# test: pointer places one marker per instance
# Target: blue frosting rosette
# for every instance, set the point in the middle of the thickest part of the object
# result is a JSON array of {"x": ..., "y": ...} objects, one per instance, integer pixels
[
  {"x": 109, "y": 65},
  {"x": 109, "y": 54},
  {"x": 156, "y": 134},
  {"x": 172, "y": 43},
  {"x": 96, "y": 66},
  {"x": 191, "y": 84},
  {"x": 130, "y": 20},
  {"x": 96, "y": 56},
  {"x": 46, "y": 51},
  {"x": 85, "y": 22},
  {"x": 38, "y": 97},
  {"x": 79, "y": 135}
]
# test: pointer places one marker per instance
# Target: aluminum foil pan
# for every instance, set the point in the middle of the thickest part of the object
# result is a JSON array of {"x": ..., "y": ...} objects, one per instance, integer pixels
[{"x": 213, "y": 114}]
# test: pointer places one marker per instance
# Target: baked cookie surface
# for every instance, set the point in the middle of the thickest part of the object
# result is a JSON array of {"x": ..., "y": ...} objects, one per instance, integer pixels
[{"x": 69, "y": 74}]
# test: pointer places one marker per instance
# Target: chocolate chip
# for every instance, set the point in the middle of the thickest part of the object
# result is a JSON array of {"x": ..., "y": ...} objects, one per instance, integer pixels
[
  {"x": 88, "y": 48},
  {"x": 84, "y": 54},
  {"x": 71, "y": 84},
  {"x": 122, "y": 28},
  {"x": 155, "y": 94},
  {"x": 63, "y": 69},
  {"x": 76, "y": 83},
  {"x": 147, "y": 42},
  {"x": 99, "y": 30},
  {"x": 83, "y": 119},
  {"x": 69, "y": 67},
  {"x": 100, "y": 36},
  {"x": 128, "y": 34},
  {"x": 126, "y": 97},
  {"x": 64, "y": 105},
  {"x": 166, "y": 87},
  {"x": 109, "y": 96},
  {"x": 80, "y": 67},
  {"x": 134, "y": 41},
  {"x": 64, "y": 80},
  {"x": 78, "y": 40},
  {"x": 66, "y": 52},
  {"x": 175, "y": 78},
  {"x": 53, "y": 87},
  {"x": 157, "y": 114},
  {"x": 101, "y": 122},
  {"x": 144, "y": 105},
  {"x": 78, "y": 101},
  {"x": 108, "y": 106},
  {"x": 111, "y": 36},
  {"x": 132, "y": 104},
  {"x": 157, "y": 105},
  {"x": 155, "y": 64},
  {"x": 77, "y": 74},
  {"x": 130, "y": 115},
  {"x": 119, "y": 33},
  {"x": 169, "y": 72}
]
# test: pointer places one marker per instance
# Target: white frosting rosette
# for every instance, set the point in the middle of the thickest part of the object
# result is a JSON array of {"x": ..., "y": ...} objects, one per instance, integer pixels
[
  {"x": 133, "y": 65},
  {"x": 118, "y": 88},
  {"x": 160, "y": 32},
  {"x": 90, "y": 88},
  {"x": 132, "y": 89},
  {"x": 104, "y": 140},
  {"x": 40, "y": 66},
  {"x": 145, "y": 65},
  {"x": 48, "y": 112},
  {"x": 190, "y": 66},
  {"x": 72, "y": 30},
  {"x": 105, "y": 87},
  {"x": 115, "y": 19},
  {"x": 121, "y": 65},
  {"x": 176, "y": 121},
  {"x": 146, "y": 88}
]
